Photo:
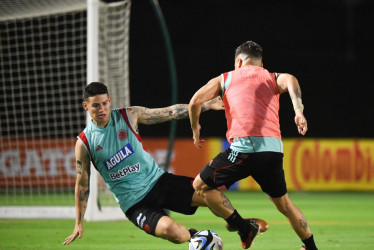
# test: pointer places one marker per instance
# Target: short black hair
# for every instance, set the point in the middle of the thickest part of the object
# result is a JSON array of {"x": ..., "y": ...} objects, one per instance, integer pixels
[
  {"x": 250, "y": 49},
  {"x": 94, "y": 88}
]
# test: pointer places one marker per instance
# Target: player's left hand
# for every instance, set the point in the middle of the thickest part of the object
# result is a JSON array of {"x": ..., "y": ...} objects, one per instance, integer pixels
[
  {"x": 78, "y": 232},
  {"x": 301, "y": 123}
]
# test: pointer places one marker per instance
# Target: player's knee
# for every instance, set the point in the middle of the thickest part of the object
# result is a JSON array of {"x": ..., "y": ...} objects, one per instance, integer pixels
[
  {"x": 199, "y": 185},
  {"x": 171, "y": 231},
  {"x": 176, "y": 237}
]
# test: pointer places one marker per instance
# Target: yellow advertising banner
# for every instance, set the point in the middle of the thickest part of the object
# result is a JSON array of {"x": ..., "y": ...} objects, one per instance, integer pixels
[{"x": 326, "y": 164}]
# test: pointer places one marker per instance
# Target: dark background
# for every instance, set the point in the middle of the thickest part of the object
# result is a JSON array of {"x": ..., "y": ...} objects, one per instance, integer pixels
[{"x": 326, "y": 44}]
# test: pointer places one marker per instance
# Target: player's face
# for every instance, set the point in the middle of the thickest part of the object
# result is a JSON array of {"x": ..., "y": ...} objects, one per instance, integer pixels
[{"x": 99, "y": 109}]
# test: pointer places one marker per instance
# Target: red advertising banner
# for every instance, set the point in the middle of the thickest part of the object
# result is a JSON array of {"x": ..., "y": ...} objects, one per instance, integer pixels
[
  {"x": 37, "y": 163},
  {"x": 47, "y": 163},
  {"x": 309, "y": 164},
  {"x": 186, "y": 159}
]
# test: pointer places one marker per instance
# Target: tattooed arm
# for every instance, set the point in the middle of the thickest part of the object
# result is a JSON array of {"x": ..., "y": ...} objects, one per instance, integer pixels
[
  {"x": 143, "y": 115},
  {"x": 287, "y": 82},
  {"x": 81, "y": 190}
]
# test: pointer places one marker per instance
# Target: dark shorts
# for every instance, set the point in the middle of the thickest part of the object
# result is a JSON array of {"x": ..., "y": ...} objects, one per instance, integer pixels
[
  {"x": 171, "y": 192},
  {"x": 266, "y": 168}
]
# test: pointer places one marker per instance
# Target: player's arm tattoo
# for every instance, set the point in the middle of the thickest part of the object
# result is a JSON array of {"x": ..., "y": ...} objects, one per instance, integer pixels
[
  {"x": 152, "y": 116},
  {"x": 79, "y": 167},
  {"x": 159, "y": 115},
  {"x": 295, "y": 94},
  {"x": 83, "y": 194},
  {"x": 298, "y": 91},
  {"x": 226, "y": 202},
  {"x": 179, "y": 111}
]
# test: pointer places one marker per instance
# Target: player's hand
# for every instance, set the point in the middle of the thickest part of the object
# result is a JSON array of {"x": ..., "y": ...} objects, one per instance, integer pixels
[
  {"x": 196, "y": 136},
  {"x": 215, "y": 104},
  {"x": 301, "y": 123},
  {"x": 78, "y": 232}
]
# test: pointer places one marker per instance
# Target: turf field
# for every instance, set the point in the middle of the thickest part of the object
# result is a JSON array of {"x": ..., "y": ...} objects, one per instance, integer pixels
[{"x": 339, "y": 220}]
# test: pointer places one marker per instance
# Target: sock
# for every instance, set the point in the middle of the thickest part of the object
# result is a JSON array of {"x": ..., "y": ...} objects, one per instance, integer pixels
[
  {"x": 310, "y": 244},
  {"x": 236, "y": 221}
]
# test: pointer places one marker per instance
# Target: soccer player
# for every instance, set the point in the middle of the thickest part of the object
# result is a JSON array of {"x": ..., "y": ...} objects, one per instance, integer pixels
[
  {"x": 111, "y": 141},
  {"x": 251, "y": 99}
]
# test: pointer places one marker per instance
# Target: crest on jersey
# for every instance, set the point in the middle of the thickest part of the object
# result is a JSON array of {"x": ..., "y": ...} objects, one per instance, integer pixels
[{"x": 122, "y": 135}]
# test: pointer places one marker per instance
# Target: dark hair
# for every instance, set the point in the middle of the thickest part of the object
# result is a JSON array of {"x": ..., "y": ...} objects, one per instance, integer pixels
[
  {"x": 250, "y": 49},
  {"x": 94, "y": 88}
]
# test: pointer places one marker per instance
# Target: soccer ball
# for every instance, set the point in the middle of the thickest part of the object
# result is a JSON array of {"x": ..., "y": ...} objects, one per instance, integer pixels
[{"x": 206, "y": 240}]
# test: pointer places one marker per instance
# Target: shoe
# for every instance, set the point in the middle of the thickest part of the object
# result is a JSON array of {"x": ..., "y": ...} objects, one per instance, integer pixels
[
  {"x": 303, "y": 248},
  {"x": 261, "y": 223},
  {"x": 192, "y": 231},
  {"x": 247, "y": 238}
]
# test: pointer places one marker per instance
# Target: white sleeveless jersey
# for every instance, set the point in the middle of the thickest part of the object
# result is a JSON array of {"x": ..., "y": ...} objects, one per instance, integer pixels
[{"x": 118, "y": 155}]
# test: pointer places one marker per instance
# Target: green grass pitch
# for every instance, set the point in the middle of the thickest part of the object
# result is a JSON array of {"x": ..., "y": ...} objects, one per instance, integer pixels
[{"x": 339, "y": 220}]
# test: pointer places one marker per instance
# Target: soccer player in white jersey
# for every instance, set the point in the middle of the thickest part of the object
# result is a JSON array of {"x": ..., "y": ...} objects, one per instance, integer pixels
[{"x": 112, "y": 143}]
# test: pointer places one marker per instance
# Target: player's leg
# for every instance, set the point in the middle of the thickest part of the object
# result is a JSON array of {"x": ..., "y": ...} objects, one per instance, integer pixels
[
  {"x": 176, "y": 193},
  {"x": 270, "y": 176},
  {"x": 296, "y": 219},
  {"x": 213, "y": 198},
  {"x": 171, "y": 192},
  {"x": 225, "y": 169},
  {"x": 294, "y": 215},
  {"x": 221, "y": 206},
  {"x": 154, "y": 221},
  {"x": 168, "y": 229}
]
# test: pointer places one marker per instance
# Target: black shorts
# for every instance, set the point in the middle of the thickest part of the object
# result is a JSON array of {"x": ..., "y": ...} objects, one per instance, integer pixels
[
  {"x": 171, "y": 192},
  {"x": 266, "y": 168}
]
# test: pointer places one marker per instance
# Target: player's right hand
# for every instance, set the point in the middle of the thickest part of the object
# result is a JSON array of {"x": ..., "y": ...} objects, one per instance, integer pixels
[
  {"x": 78, "y": 232},
  {"x": 196, "y": 136}
]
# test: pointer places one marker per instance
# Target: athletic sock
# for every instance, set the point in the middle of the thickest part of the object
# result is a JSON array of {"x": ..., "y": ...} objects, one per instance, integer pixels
[
  {"x": 237, "y": 222},
  {"x": 310, "y": 244}
]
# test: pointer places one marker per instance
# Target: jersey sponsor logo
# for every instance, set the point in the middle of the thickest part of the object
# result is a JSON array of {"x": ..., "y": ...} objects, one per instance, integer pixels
[
  {"x": 119, "y": 157},
  {"x": 125, "y": 171}
]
